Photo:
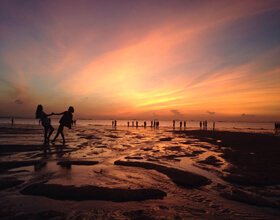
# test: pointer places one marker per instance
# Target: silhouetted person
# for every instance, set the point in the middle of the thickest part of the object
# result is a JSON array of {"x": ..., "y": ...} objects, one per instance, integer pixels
[
  {"x": 145, "y": 124},
  {"x": 40, "y": 114},
  {"x": 65, "y": 121},
  {"x": 133, "y": 124},
  {"x": 277, "y": 126},
  {"x": 128, "y": 124},
  {"x": 136, "y": 124},
  {"x": 173, "y": 123},
  {"x": 115, "y": 123},
  {"x": 185, "y": 124},
  {"x": 12, "y": 121},
  {"x": 154, "y": 123},
  {"x": 204, "y": 124},
  {"x": 200, "y": 124},
  {"x": 151, "y": 123},
  {"x": 180, "y": 124}
]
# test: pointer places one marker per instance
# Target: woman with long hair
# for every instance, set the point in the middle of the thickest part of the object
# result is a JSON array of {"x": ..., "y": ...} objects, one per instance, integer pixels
[{"x": 40, "y": 114}]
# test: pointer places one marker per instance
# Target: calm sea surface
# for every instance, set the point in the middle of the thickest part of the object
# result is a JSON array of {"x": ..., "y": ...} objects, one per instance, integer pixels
[{"x": 254, "y": 126}]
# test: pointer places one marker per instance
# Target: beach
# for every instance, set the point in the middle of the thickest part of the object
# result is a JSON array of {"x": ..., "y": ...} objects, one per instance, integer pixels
[{"x": 106, "y": 172}]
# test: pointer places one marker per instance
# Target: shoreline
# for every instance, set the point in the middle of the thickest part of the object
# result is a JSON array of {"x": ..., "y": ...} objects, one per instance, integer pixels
[{"x": 262, "y": 127}]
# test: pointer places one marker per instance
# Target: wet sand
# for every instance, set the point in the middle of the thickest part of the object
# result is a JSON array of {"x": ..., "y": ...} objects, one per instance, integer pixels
[
  {"x": 254, "y": 156},
  {"x": 129, "y": 173}
]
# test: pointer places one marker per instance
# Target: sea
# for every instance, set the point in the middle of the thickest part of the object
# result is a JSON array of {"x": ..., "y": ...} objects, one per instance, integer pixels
[{"x": 219, "y": 125}]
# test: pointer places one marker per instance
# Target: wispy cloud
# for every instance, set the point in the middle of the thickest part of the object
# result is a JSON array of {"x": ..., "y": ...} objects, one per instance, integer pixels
[
  {"x": 247, "y": 115},
  {"x": 19, "y": 101},
  {"x": 177, "y": 113}
]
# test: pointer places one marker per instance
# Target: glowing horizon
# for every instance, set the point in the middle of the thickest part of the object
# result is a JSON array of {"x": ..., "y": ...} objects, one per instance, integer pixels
[{"x": 141, "y": 59}]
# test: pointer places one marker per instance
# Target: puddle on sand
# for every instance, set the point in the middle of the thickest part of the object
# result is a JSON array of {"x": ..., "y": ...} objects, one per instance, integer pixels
[{"x": 187, "y": 164}]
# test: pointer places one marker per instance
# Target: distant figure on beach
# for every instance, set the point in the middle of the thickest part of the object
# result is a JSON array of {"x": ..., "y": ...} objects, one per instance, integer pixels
[
  {"x": 65, "y": 121},
  {"x": 185, "y": 124},
  {"x": 128, "y": 124},
  {"x": 173, "y": 123},
  {"x": 12, "y": 121},
  {"x": 132, "y": 124},
  {"x": 204, "y": 124},
  {"x": 180, "y": 124},
  {"x": 151, "y": 123},
  {"x": 136, "y": 124},
  {"x": 145, "y": 124},
  {"x": 156, "y": 123},
  {"x": 277, "y": 126},
  {"x": 115, "y": 123},
  {"x": 200, "y": 124},
  {"x": 40, "y": 114}
]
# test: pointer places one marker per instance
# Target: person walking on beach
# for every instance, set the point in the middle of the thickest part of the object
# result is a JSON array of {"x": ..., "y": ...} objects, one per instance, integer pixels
[
  {"x": 65, "y": 121},
  {"x": 43, "y": 117}
]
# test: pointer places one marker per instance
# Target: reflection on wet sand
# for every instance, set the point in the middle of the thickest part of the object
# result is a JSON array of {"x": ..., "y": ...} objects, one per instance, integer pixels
[{"x": 163, "y": 169}]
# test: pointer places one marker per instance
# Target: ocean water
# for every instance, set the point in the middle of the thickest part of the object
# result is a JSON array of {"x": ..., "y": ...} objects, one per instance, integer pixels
[{"x": 220, "y": 125}]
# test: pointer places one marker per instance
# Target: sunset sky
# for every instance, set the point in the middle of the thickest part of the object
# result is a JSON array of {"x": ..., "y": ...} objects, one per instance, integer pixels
[{"x": 141, "y": 59}]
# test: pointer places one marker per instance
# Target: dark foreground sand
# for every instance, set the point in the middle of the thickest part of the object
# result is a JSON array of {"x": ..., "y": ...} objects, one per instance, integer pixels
[
  {"x": 129, "y": 173},
  {"x": 255, "y": 157}
]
